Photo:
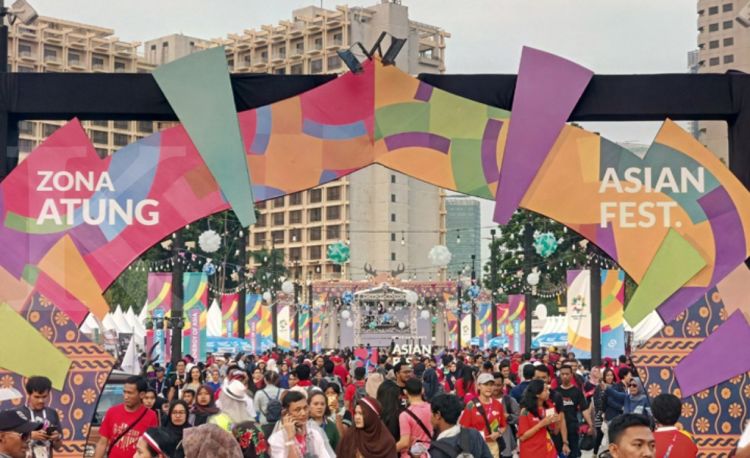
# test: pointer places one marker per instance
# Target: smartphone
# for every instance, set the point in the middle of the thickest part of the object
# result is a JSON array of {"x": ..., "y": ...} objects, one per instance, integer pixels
[{"x": 549, "y": 412}]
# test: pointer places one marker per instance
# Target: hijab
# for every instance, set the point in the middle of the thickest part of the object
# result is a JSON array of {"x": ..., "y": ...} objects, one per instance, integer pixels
[
  {"x": 371, "y": 441},
  {"x": 174, "y": 431},
  {"x": 201, "y": 413},
  {"x": 210, "y": 441}
]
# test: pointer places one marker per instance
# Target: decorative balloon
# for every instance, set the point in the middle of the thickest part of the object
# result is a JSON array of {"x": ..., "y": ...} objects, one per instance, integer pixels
[
  {"x": 424, "y": 314},
  {"x": 209, "y": 241},
  {"x": 347, "y": 297},
  {"x": 474, "y": 291},
  {"x": 209, "y": 269},
  {"x": 411, "y": 297},
  {"x": 349, "y": 323},
  {"x": 372, "y": 325},
  {"x": 287, "y": 287},
  {"x": 434, "y": 320},
  {"x": 440, "y": 256},
  {"x": 545, "y": 244},
  {"x": 345, "y": 314},
  {"x": 338, "y": 252},
  {"x": 401, "y": 325},
  {"x": 267, "y": 296},
  {"x": 533, "y": 278}
]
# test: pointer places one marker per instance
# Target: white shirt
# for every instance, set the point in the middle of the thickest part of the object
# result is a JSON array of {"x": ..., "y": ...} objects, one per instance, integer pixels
[{"x": 316, "y": 444}]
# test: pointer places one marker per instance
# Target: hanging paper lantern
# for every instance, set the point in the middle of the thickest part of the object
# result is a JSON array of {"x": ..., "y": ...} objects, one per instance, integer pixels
[
  {"x": 474, "y": 291},
  {"x": 411, "y": 297},
  {"x": 209, "y": 241},
  {"x": 439, "y": 255},
  {"x": 545, "y": 244},
  {"x": 209, "y": 269},
  {"x": 267, "y": 296},
  {"x": 287, "y": 287},
  {"x": 533, "y": 278},
  {"x": 338, "y": 252},
  {"x": 372, "y": 325},
  {"x": 401, "y": 325},
  {"x": 347, "y": 297},
  {"x": 425, "y": 314},
  {"x": 434, "y": 320},
  {"x": 345, "y": 314},
  {"x": 349, "y": 323}
]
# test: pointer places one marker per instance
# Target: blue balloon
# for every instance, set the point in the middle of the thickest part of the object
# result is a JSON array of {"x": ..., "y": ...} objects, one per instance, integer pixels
[
  {"x": 347, "y": 297},
  {"x": 209, "y": 269},
  {"x": 474, "y": 291}
]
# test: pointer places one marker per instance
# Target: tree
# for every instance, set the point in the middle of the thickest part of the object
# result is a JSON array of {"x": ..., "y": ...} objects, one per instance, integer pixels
[
  {"x": 515, "y": 257},
  {"x": 270, "y": 271}
]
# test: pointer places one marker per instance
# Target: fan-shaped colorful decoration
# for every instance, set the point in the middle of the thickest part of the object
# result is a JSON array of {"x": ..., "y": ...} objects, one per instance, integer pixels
[
  {"x": 338, "y": 252},
  {"x": 545, "y": 244}
]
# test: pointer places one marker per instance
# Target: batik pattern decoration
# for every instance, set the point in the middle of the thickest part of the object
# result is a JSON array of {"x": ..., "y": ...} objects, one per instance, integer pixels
[
  {"x": 76, "y": 402},
  {"x": 675, "y": 219},
  {"x": 714, "y": 416}
]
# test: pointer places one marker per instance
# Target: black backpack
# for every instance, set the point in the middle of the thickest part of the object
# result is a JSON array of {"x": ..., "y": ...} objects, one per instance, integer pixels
[{"x": 463, "y": 449}]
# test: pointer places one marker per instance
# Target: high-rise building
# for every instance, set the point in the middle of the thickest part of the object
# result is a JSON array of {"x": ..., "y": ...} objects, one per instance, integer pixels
[
  {"x": 463, "y": 223},
  {"x": 375, "y": 208},
  {"x": 723, "y": 44},
  {"x": 56, "y": 45}
]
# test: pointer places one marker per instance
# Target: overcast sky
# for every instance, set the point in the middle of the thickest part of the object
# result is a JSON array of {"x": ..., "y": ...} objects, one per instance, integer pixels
[{"x": 607, "y": 36}]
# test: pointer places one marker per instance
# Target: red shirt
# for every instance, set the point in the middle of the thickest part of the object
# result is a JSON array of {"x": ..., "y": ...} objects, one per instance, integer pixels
[
  {"x": 341, "y": 372},
  {"x": 539, "y": 445},
  {"x": 467, "y": 393},
  {"x": 677, "y": 442},
  {"x": 351, "y": 390},
  {"x": 117, "y": 420},
  {"x": 472, "y": 418}
]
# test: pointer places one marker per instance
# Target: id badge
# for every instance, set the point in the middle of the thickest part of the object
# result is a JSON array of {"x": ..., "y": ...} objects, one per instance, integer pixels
[{"x": 40, "y": 451}]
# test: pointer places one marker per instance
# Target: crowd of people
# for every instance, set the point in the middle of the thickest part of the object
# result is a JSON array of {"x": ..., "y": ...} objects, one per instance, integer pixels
[{"x": 481, "y": 404}]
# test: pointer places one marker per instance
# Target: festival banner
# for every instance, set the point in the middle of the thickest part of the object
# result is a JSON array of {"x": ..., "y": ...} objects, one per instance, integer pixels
[
  {"x": 612, "y": 327},
  {"x": 515, "y": 324},
  {"x": 195, "y": 305},
  {"x": 229, "y": 311},
  {"x": 159, "y": 351},
  {"x": 484, "y": 324},
  {"x": 304, "y": 329},
  {"x": 466, "y": 329},
  {"x": 258, "y": 318},
  {"x": 159, "y": 292},
  {"x": 283, "y": 327},
  {"x": 452, "y": 329},
  {"x": 579, "y": 313}
]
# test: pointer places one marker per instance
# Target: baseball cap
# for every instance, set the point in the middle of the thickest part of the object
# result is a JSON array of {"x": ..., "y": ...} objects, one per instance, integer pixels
[
  {"x": 485, "y": 378},
  {"x": 15, "y": 420}
]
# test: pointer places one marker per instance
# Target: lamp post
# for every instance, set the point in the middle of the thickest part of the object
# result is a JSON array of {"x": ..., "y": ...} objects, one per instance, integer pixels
[
  {"x": 272, "y": 283},
  {"x": 493, "y": 283},
  {"x": 473, "y": 304},
  {"x": 310, "y": 304},
  {"x": 241, "y": 301},
  {"x": 460, "y": 309},
  {"x": 178, "y": 296}
]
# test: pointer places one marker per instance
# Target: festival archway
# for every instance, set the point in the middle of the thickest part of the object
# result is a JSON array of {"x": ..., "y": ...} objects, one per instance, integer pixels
[{"x": 675, "y": 219}]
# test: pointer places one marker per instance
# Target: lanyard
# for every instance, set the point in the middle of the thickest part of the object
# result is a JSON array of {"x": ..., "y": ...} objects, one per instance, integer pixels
[{"x": 33, "y": 417}]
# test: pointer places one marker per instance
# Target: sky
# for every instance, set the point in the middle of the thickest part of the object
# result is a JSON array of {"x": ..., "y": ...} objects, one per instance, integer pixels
[{"x": 607, "y": 36}]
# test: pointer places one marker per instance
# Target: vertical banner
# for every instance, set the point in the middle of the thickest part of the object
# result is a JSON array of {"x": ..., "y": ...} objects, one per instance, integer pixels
[
  {"x": 578, "y": 315},
  {"x": 159, "y": 292},
  {"x": 283, "y": 327},
  {"x": 317, "y": 321},
  {"x": 159, "y": 335},
  {"x": 258, "y": 317},
  {"x": 195, "y": 305},
  {"x": 483, "y": 323},
  {"x": 229, "y": 310},
  {"x": 612, "y": 328},
  {"x": 466, "y": 328},
  {"x": 304, "y": 329},
  {"x": 515, "y": 324},
  {"x": 452, "y": 329},
  {"x": 252, "y": 335}
]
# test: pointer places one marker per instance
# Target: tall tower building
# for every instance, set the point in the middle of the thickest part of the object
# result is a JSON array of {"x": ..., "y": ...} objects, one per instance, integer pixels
[
  {"x": 723, "y": 44},
  {"x": 373, "y": 209},
  {"x": 463, "y": 234}
]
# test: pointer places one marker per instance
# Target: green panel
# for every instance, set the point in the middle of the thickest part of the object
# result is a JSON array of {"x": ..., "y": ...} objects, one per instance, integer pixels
[
  {"x": 29, "y": 225},
  {"x": 30, "y": 274},
  {"x": 198, "y": 89},
  {"x": 453, "y": 116},
  {"x": 674, "y": 264},
  {"x": 466, "y": 161},
  {"x": 402, "y": 117},
  {"x": 497, "y": 113}
]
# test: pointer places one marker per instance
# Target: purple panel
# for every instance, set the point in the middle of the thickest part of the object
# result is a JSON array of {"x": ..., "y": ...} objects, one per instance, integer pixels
[
  {"x": 547, "y": 90},
  {"x": 605, "y": 239},
  {"x": 708, "y": 364},
  {"x": 424, "y": 92},
  {"x": 729, "y": 240},
  {"x": 421, "y": 139},
  {"x": 489, "y": 149}
]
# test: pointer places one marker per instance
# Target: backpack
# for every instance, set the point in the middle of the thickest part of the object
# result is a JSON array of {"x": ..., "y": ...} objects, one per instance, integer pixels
[
  {"x": 464, "y": 446},
  {"x": 332, "y": 379},
  {"x": 273, "y": 405}
]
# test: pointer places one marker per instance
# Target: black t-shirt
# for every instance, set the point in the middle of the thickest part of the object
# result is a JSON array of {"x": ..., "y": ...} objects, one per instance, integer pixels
[
  {"x": 49, "y": 418},
  {"x": 573, "y": 402}
]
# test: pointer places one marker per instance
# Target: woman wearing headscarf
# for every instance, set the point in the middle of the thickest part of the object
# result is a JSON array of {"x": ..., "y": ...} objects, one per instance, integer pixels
[
  {"x": 155, "y": 443},
  {"x": 374, "y": 380},
  {"x": 635, "y": 400},
  {"x": 177, "y": 422},
  {"x": 204, "y": 407},
  {"x": 210, "y": 441},
  {"x": 369, "y": 438}
]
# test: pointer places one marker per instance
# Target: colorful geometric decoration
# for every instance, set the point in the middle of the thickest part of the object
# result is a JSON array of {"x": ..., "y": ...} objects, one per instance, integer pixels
[
  {"x": 338, "y": 252},
  {"x": 612, "y": 323},
  {"x": 545, "y": 244},
  {"x": 578, "y": 312}
]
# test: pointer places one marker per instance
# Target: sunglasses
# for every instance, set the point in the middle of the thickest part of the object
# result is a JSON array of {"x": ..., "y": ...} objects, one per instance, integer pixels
[{"x": 633, "y": 385}]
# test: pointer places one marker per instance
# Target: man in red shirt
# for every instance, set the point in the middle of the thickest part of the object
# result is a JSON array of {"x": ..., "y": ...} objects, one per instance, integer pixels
[
  {"x": 351, "y": 389},
  {"x": 670, "y": 441},
  {"x": 125, "y": 423},
  {"x": 486, "y": 414}
]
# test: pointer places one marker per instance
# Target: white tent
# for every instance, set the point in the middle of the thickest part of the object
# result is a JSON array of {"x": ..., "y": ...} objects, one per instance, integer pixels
[
  {"x": 144, "y": 313},
  {"x": 90, "y": 325},
  {"x": 213, "y": 320},
  {"x": 130, "y": 363},
  {"x": 121, "y": 324},
  {"x": 647, "y": 328},
  {"x": 108, "y": 323},
  {"x": 130, "y": 317}
]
